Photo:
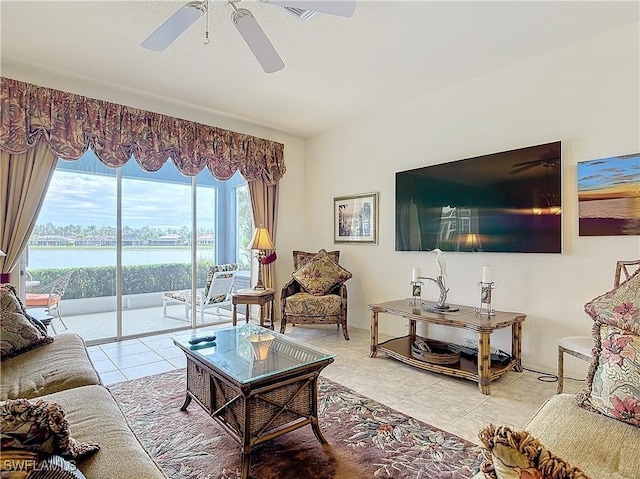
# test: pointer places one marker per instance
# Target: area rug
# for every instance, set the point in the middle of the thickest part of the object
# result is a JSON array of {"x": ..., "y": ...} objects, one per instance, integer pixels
[{"x": 366, "y": 439}]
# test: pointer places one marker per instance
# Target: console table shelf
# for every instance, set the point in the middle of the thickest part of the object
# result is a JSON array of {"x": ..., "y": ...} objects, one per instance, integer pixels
[
  {"x": 400, "y": 349},
  {"x": 482, "y": 371}
]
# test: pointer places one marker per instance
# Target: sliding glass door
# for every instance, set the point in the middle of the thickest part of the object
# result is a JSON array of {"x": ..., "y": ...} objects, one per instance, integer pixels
[
  {"x": 141, "y": 244},
  {"x": 156, "y": 246}
]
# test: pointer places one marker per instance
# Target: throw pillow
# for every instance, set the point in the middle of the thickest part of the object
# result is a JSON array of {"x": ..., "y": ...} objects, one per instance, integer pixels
[
  {"x": 12, "y": 290},
  {"x": 613, "y": 380},
  {"x": 26, "y": 464},
  {"x": 510, "y": 454},
  {"x": 37, "y": 323},
  {"x": 321, "y": 274},
  {"x": 55, "y": 467},
  {"x": 18, "y": 333},
  {"x": 40, "y": 426},
  {"x": 300, "y": 258}
]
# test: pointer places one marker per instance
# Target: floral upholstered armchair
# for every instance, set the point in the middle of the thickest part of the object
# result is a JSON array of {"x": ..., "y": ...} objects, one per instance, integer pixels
[{"x": 316, "y": 293}]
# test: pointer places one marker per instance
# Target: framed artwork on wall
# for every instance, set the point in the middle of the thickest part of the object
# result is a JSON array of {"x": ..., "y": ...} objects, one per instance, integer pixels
[
  {"x": 355, "y": 218},
  {"x": 609, "y": 196}
]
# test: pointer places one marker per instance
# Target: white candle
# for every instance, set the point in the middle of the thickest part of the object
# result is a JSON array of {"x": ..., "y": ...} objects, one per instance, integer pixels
[
  {"x": 486, "y": 274},
  {"x": 416, "y": 275}
]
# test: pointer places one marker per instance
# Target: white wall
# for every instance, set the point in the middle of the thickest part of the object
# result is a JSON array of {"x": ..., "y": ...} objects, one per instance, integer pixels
[{"x": 586, "y": 95}]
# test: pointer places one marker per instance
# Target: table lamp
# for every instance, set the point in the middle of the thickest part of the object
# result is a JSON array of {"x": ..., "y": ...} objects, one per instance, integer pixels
[
  {"x": 260, "y": 343},
  {"x": 261, "y": 242},
  {"x": 472, "y": 242}
]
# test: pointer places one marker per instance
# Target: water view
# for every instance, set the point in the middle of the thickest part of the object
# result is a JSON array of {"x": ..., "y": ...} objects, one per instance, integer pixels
[
  {"x": 68, "y": 257},
  {"x": 77, "y": 223}
]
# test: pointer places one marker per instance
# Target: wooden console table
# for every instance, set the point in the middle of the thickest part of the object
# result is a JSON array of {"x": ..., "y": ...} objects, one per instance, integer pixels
[{"x": 483, "y": 372}]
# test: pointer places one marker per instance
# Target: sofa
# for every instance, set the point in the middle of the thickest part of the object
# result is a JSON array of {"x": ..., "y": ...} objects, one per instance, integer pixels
[
  {"x": 602, "y": 447},
  {"x": 596, "y": 433},
  {"x": 60, "y": 371}
]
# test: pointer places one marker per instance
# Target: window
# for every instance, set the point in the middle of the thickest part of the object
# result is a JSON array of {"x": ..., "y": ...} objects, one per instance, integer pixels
[{"x": 130, "y": 236}]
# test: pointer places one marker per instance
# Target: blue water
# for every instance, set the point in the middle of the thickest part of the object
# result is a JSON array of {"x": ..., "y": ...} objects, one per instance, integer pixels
[{"x": 85, "y": 257}]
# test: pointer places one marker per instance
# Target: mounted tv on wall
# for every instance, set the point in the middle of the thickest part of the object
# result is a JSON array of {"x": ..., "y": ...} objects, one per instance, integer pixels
[{"x": 507, "y": 202}]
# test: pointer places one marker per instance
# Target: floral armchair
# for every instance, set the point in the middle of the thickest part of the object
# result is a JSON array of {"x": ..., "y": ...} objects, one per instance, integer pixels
[{"x": 316, "y": 293}]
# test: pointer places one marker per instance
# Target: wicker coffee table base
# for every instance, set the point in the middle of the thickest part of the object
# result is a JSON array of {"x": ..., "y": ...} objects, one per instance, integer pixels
[{"x": 259, "y": 411}]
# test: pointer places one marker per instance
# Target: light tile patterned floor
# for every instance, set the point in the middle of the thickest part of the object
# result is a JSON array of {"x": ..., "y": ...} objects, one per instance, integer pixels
[{"x": 454, "y": 405}]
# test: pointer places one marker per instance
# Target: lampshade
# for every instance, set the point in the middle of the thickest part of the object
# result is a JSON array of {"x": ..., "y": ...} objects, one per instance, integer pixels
[
  {"x": 471, "y": 242},
  {"x": 260, "y": 343},
  {"x": 261, "y": 240}
]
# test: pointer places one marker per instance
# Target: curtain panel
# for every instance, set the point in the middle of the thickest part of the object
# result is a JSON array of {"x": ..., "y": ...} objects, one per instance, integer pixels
[
  {"x": 70, "y": 124},
  {"x": 264, "y": 202},
  {"x": 24, "y": 181}
]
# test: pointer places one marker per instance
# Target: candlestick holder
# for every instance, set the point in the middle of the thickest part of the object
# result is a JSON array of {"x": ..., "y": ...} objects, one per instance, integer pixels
[
  {"x": 416, "y": 293},
  {"x": 485, "y": 299}
]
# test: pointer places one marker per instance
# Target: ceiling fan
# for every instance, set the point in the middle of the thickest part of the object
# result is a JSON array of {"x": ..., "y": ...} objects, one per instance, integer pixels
[
  {"x": 549, "y": 159},
  {"x": 246, "y": 24}
]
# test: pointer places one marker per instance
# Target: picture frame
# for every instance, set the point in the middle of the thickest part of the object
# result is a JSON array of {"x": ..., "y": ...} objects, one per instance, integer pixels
[
  {"x": 355, "y": 218},
  {"x": 608, "y": 196}
]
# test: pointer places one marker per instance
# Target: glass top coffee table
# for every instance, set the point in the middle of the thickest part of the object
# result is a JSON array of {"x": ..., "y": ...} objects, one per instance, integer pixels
[{"x": 256, "y": 383}]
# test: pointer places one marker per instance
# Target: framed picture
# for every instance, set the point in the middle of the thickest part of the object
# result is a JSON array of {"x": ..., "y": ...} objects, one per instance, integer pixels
[
  {"x": 355, "y": 218},
  {"x": 608, "y": 196}
]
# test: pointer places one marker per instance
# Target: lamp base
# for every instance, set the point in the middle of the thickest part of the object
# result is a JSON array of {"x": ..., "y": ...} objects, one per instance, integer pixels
[{"x": 259, "y": 284}]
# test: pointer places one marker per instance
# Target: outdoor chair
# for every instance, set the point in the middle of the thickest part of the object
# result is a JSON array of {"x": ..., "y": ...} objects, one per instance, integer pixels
[
  {"x": 48, "y": 297},
  {"x": 216, "y": 293},
  {"x": 581, "y": 346},
  {"x": 316, "y": 293}
]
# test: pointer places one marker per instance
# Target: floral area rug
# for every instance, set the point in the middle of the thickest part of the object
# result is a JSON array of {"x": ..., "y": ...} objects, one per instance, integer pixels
[{"x": 366, "y": 439}]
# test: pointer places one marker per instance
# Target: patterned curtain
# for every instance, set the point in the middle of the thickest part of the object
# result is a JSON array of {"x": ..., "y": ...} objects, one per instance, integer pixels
[{"x": 70, "y": 124}]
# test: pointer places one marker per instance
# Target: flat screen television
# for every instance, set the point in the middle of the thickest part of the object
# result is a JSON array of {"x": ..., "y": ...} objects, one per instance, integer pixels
[{"x": 508, "y": 202}]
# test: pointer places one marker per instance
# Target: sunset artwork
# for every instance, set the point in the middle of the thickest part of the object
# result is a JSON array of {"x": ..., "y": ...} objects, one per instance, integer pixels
[{"x": 609, "y": 196}]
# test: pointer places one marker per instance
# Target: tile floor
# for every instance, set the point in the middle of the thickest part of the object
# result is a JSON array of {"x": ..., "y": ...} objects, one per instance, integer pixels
[
  {"x": 96, "y": 327},
  {"x": 454, "y": 405}
]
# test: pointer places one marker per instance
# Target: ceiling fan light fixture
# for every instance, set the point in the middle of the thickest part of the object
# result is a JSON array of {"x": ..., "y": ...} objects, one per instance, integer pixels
[
  {"x": 342, "y": 8},
  {"x": 257, "y": 40},
  {"x": 305, "y": 15}
]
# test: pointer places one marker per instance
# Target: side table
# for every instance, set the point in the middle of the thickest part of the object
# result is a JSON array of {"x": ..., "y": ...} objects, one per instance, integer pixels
[{"x": 254, "y": 296}]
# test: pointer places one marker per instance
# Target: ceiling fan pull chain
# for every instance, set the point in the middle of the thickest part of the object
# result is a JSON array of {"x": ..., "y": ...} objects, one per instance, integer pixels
[{"x": 206, "y": 32}]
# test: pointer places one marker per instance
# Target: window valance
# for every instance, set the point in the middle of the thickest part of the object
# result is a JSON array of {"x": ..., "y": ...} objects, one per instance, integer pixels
[{"x": 70, "y": 124}]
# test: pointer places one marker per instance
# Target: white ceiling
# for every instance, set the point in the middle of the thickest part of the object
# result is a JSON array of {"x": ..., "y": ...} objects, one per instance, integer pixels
[{"x": 336, "y": 69}]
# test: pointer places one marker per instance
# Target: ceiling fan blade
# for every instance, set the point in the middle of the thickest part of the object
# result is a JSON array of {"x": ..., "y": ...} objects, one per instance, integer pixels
[
  {"x": 532, "y": 162},
  {"x": 174, "y": 26},
  {"x": 343, "y": 8},
  {"x": 257, "y": 41},
  {"x": 521, "y": 169}
]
